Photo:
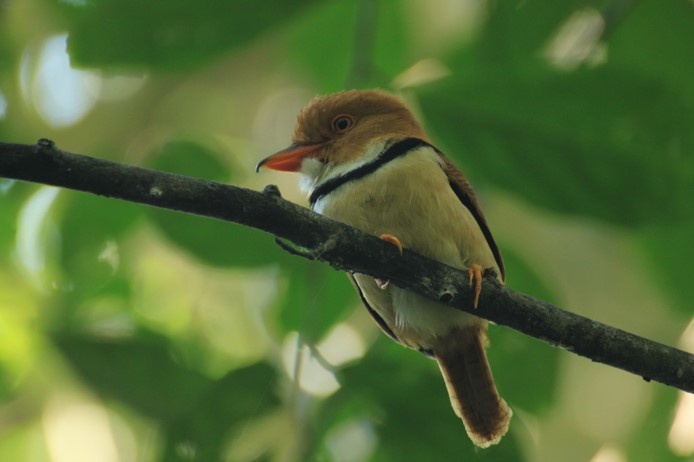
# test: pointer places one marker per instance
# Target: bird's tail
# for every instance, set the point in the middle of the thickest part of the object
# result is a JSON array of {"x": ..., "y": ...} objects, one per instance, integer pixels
[{"x": 470, "y": 385}]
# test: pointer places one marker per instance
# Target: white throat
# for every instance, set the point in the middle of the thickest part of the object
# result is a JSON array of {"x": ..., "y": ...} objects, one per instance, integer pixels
[{"x": 315, "y": 172}]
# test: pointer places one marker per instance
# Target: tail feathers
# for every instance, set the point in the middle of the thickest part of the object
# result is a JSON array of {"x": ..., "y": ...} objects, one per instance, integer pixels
[{"x": 471, "y": 388}]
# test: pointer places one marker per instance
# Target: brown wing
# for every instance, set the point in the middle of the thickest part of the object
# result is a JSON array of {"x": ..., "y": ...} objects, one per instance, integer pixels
[{"x": 464, "y": 191}]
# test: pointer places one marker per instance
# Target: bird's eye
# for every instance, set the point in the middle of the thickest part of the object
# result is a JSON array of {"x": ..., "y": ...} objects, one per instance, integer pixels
[{"x": 342, "y": 123}]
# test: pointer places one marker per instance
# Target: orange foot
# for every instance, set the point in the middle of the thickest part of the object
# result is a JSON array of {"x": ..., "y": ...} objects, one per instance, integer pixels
[
  {"x": 475, "y": 274},
  {"x": 384, "y": 283}
]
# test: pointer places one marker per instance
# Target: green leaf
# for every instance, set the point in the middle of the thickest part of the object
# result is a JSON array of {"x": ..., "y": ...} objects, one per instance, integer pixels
[
  {"x": 316, "y": 298},
  {"x": 512, "y": 39},
  {"x": 526, "y": 370},
  {"x": 357, "y": 37},
  {"x": 326, "y": 59},
  {"x": 389, "y": 26},
  {"x": 521, "y": 276},
  {"x": 600, "y": 143},
  {"x": 12, "y": 198},
  {"x": 670, "y": 254},
  {"x": 197, "y": 414},
  {"x": 191, "y": 158},
  {"x": 167, "y": 34},
  {"x": 236, "y": 398},
  {"x": 89, "y": 225},
  {"x": 657, "y": 42},
  {"x": 613, "y": 143},
  {"x": 215, "y": 242},
  {"x": 139, "y": 372}
]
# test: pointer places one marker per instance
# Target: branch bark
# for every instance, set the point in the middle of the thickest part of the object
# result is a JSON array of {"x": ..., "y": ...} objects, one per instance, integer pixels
[{"x": 344, "y": 248}]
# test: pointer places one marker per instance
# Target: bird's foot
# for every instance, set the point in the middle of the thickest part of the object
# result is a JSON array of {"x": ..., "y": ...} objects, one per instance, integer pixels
[
  {"x": 475, "y": 275},
  {"x": 384, "y": 283}
]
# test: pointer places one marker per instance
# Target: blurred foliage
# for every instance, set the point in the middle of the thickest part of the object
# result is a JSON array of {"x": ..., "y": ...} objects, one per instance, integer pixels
[
  {"x": 573, "y": 119},
  {"x": 190, "y": 158},
  {"x": 168, "y": 34},
  {"x": 636, "y": 119},
  {"x": 182, "y": 400}
]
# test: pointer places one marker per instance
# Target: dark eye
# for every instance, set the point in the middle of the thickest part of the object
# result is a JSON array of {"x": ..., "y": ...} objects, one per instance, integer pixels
[{"x": 342, "y": 123}]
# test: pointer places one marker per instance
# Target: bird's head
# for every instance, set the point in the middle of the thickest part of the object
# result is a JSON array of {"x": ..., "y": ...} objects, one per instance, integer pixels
[{"x": 340, "y": 129}]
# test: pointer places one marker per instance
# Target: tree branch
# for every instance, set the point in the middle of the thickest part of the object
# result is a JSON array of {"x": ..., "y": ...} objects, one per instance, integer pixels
[{"x": 316, "y": 237}]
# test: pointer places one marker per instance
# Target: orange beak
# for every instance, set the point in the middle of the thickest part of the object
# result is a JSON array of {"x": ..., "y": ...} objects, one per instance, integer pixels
[{"x": 289, "y": 159}]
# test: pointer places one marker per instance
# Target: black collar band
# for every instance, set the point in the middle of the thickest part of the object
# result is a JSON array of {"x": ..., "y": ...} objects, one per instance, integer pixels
[{"x": 389, "y": 153}]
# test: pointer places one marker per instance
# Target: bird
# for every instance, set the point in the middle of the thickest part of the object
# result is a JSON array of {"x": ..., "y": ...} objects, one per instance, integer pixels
[{"x": 365, "y": 160}]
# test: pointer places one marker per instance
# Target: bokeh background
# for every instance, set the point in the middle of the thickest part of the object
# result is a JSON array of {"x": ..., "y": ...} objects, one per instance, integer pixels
[{"x": 134, "y": 334}]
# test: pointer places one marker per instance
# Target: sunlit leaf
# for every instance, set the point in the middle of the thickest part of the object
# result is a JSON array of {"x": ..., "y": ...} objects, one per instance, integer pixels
[
  {"x": 11, "y": 198},
  {"x": 19, "y": 338}
]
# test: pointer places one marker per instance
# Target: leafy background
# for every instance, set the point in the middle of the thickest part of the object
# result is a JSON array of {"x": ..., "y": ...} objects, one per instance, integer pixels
[{"x": 134, "y": 334}]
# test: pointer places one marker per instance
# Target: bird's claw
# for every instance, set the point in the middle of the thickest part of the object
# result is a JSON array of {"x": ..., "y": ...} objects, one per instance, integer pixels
[
  {"x": 391, "y": 239},
  {"x": 384, "y": 283},
  {"x": 475, "y": 275}
]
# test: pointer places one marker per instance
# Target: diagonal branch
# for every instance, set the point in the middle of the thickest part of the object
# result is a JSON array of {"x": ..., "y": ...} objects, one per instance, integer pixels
[{"x": 316, "y": 237}]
